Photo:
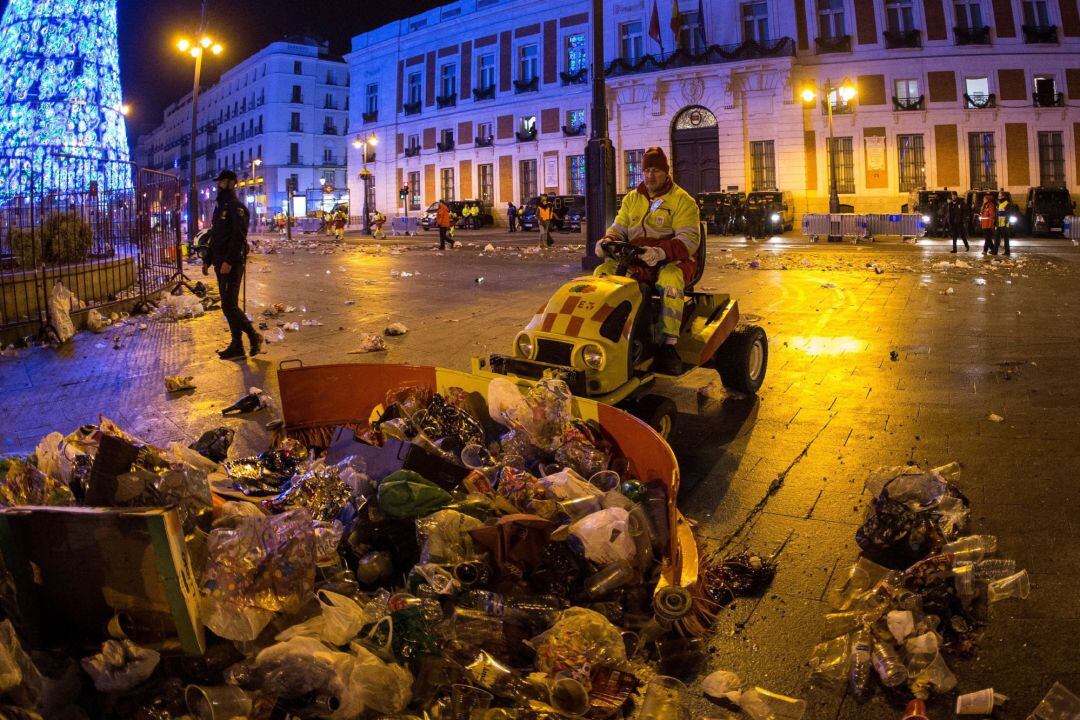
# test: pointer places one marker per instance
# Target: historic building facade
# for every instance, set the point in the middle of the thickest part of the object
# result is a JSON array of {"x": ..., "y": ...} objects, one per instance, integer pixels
[
  {"x": 490, "y": 99},
  {"x": 287, "y": 106}
]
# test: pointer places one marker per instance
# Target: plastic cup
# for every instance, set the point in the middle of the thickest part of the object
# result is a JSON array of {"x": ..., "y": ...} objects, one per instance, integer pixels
[
  {"x": 976, "y": 703},
  {"x": 464, "y": 699},
  {"x": 605, "y": 480},
  {"x": 580, "y": 507},
  {"x": 569, "y": 696},
  {"x": 1018, "y": 586},
  {"x": 663, "y": 699},
  {"x": 221, "y": 702},
  {"x": 475, "y": 457}
]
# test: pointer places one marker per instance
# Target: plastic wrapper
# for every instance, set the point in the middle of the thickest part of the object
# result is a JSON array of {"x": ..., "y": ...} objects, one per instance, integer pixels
[
  {"x": 233, "y": 622},
  {"x": 120, "y": 666},
  {"x": 516, "y": 542},
  {"x": 62, "y": 302},
  {"x": 265, "y": 473},
  {"x": 328, "y": 535},
  {"x": 320, "y": 489},
  {"x": 405, "y": 494},
  {"x": 265, "y": 563},
  {"x": 722, "y": 685},
  {"x": 231, "y": 511},
  {"x": 22, "y": 483},
  {"x": 338, "y": 622},
  {"x": 606, "y": 536},
  {"x": 444, "y": 537},
  {"x": 829, "y": 659},
  {"x": 369, "y": 342},
  {"x": 49, "y": 457},
  {"x": 578, "y": 642},
  {"x": 189, "y": 491},
  {"x": 353, "y": 472},
  {"x": 567, "y": 484},
  {"x": 20, "y": 679},
  {"x": 523, "y": 491},
  {"x": 214, "y": 444}
]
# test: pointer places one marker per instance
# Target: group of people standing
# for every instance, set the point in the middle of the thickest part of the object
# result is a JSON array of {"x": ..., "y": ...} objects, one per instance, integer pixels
[
  {"x": 545, "y": 217},
  {"x": 995, "y": 221}
]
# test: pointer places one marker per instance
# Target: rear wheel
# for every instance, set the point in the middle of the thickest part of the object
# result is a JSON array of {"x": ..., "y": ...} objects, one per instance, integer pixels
[
  {"x": 658, "y": 411},
  {"x": 743, "y": 359}
]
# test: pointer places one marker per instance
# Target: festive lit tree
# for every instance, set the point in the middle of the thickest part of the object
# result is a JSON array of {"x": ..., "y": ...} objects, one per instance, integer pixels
[{"x": 61, "y": 112}]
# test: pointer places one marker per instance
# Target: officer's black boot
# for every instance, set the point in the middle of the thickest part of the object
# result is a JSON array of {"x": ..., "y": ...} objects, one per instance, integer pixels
[{"x": 667, "y": 361}]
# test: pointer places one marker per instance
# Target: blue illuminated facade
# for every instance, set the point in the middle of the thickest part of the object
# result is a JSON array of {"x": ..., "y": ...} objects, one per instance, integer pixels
[{"x": 61, "y": 120}]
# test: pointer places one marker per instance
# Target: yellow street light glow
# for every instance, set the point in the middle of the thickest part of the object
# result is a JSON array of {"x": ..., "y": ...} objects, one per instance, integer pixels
[
  {"x": 358, "y": 143},
  {"x": 195, "y": 51},
  {"x": 206, "y": 42},
  {"x": 846, "y": 91},
  {"x": 183, "y": 44},
  {"x": 257, "y": 161},
  {"x": 125, "y": 109},
  {"x": 808, "y": 95},
  {"x": 216, "y": 49},
  {"x": 373, "y": 140}
]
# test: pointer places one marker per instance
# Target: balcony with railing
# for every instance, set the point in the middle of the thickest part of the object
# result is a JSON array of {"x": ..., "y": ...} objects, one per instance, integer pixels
[
  {"x": 972, "y": 36},
  {"x": 445, "y": 101},
  {"x": 573, "y": 130},
  {"x": 839, "y": 107},
  {"x": 526, "y": 135},
  {"x": 370, "y": 116},
  {"x": 297, "y": 98},
  {"x": 411, "y": 150},
  {"x": 484, "y": 141},
  {"x": 296, "y": 127},
  {"x": 485, "y": 93},
  {"x": 445, "y": 145},
  {"x": 329, "y": 130},
  {"x": 296, "y": 160},
  {"x": 908, "y": 104},
  {"x": 902, "y": 39},
  {"x": 980, "y": 101},
  {"x": 411, "y": 108},
  {"x": 825, "y": 45},
  {"x": 714, "y": 54},
  {"x": 574, "y": 78},
  {"x": 1048, "y": 99},
  {"x": 524, "y": 86},
  {"x": 1040, "y": 34}
]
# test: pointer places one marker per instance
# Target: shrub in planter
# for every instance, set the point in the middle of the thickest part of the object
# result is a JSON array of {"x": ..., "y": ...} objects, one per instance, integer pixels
[
  {"x": 26, "y": 246},
  {"x": 67, "y": 238}
]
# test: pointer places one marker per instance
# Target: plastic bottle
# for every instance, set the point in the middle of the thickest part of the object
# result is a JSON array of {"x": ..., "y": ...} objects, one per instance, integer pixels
[
  {"x": 609, "y": 578},
  {"x": 860, "y": 664},
  {"x": 993, "y": 569},
  {"x": 971, "y": 547},
  {"x": 890, "y": 668}
]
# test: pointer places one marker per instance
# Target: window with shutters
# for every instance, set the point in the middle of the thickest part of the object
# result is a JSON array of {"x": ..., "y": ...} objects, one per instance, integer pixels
[
  {"x": 762, "y": 165},
  {"x": 842, "y": 156},
  {"x": 982, "y": 163},
  {"x": 911, "y": 161}
]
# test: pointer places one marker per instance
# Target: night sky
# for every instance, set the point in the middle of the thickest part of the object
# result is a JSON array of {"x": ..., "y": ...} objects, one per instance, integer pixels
[{"x": 154, "y": 73}]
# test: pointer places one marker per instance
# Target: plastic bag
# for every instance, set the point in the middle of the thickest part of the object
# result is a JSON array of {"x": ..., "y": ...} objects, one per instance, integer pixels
[
  {"x": 606, "y": 535},
  {"x": 19, "y": 677},
  {"x": 405, "y": 494},
  {"x": 231, "y": 511},
  {"x": 189, "y": 491},
  {"x": 62, "y": 302},
  {"x": 506, "y": 405},
  {"x": 96, "y": 322},
  {"x": 338, "y": 623},
  {"x": 266, "y": 563},
  {"x": 320, "y": 489},
  {"x": 444, "y": 537},
  {"x": 214, "y": 444},
  {"x": 120, "y": 666},
  {"x": 327, "y": 539},
  {"x": 722, "y": 684},
  {"x": 579, "y": 641},
  {"x": 568, "y": 485},
  {"x": 384, "y": 687},
  {"x": 233, "y": 622}
]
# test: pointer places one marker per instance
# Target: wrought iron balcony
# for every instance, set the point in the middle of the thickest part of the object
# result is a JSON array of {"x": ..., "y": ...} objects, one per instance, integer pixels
[
  {"x": 714, "y": 54},
  {"x": 370, "y": 116},
  {"x": 484, "y": 141},
  {"x": 1040, "y": 34},
  {"x": 573, "y": 130},
  {"x": 412, "y": 150},
  {"x": 445, "y": 101},
  {"x": 487, "y": 93},
  {"x": 905, "y": 104},
  {"x": 411, "y": 108},
  {"x": 972, "y": 36},
  {"x": 1045, "y": 99},
  {"x": 525, "y": 135},
  {"x": 576, "y": 78},
  {"x": 445, "y": 145},
  {"x": 905, "y": 39},
  {"x": 524, "y": 86},
  {"x": 980, "y": 101},
  {"x": 840, "y": 44},
  {"x": 838, "y": 108}
]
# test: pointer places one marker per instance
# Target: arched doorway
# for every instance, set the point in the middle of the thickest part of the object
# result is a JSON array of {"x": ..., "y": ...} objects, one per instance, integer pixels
[{"x": 695, "y": 150}]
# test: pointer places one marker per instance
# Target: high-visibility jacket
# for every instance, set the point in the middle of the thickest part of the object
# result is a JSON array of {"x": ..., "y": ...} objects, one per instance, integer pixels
[
  {"x": 671, "y": 221},
  {"x": 986, "y": 215},
  {"x": 442, "y": 215},
  {"x": 544, "y": 213},
  {"x": 1003, "y": 214}
]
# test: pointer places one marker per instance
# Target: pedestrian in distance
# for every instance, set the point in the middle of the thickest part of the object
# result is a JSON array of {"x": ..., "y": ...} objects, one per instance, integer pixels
[
  {"x": 442, "y": 221},
  {"x": 544, "y": 216},
  {"x": 987, "y": 215},
  {"x": 227, "y": 254},
  {"x": 511, "y": 216},
  {"x": 1007, "y": 212},
  {"x": 958, "y": 217}
]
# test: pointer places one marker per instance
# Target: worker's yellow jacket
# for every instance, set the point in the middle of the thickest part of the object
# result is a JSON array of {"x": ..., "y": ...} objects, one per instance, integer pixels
[{"x": 670, "y": 220}]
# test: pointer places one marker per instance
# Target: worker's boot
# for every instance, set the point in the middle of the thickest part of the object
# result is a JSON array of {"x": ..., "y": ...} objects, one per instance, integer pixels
[
  {"x": 256, "y": 344},
  {"x": 667, "y": 361}
]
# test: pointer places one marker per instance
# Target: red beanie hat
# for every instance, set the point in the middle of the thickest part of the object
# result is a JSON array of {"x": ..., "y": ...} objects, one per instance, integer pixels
[{"x": 655, "y": 158}]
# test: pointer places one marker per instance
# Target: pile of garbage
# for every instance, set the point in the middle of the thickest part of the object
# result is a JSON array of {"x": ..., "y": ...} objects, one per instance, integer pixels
[
  {"x": 921, "y": 591},
  {"x": 474, "y": 560}
]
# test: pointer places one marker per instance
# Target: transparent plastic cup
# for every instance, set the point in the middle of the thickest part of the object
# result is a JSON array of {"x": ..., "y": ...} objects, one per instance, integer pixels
[
  {"x": 761, "y": 704},
  {"x": 569, "y": 696},
  {"x": 222, "y": 702},
  {"x": 464, "y": 699},
  {"x": 1017, "y": 586},
  {"x": 476, "y": 457},
  {"x": 664, "y": 700},
  {"x": 605, "y": 480}
]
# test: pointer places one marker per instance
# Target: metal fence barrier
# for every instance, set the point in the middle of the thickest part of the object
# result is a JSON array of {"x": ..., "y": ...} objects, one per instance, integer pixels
[
  {"x": 1072, "y": 227},
  {"x": 106, "y": 230},
  {"x": 404, "y": 226},
  {"x": 905, "y": 225},
  {"x": 836, "y": 225}
]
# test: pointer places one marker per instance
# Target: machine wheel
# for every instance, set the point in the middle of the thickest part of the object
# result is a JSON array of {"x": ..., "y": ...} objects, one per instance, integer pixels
[
  {"x": 658, "y": 411},
  {"x": 743, "y": 359}
]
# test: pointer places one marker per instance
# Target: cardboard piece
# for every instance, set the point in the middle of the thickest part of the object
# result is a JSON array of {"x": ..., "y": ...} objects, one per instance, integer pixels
[{"x": 74, "y": 568}]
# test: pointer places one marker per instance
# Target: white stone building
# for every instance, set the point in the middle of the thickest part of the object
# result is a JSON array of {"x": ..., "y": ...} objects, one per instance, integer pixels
[
  {"x": 286, "y": 105},
  {"x": 957, "y": 93}
]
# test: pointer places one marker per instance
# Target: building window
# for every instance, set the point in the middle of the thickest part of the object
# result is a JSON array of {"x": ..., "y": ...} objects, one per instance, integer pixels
[
  {"x": 575, "y": 171},
  {"x": 1045, "y": 91},
  {"x": 294, "y": 154},
  {"x": 448, "y": 80},
  {"x": 977, "y": 91},
  {"x": 487, "y": 182},
  {"x": 981, "y": 161},
  {"x": 297, "y": 68},
  {"x": 414, "y": 143},
  {"x": 912, "y": 162},
  {"x": 630, "y": 42},
  {"x": 485, "y": 71},
  {"x": 415, "y": 88},
  {"x": 294, "y": 122},
  {"x": 576, "y": 59},
  {"x": 842, "y": 158},
  {"x": 328, "y": 156},
  {"x": 372, "y": 102},
  {"x": 755, "y": 21},
  {"x": 484, "y": 131},
  {"x": 969, "y": 15},
  {"x": 900, "y": 17},
  {"x": 297, "y": 96},
  {"x": 575, "y": 119},
  {"x": 831, "y": 19},
  {"x": 528, "y": 63},
  {"x": 1035, "y": 13},
  {"x": 691, "y": 33},
  {"x": 447, "y": 176},
  {"x": 414, "y": 191},
  {"x": 446, "y": 137},
  {"x": 1051, "y": 159},
  {"x": 527, "y": 124},
  {"x": 527, "y": 178},
  {"x": 633, "y": 168},
  {"x": 907, "y": 91},
  {"x": 762, "y": 165}
]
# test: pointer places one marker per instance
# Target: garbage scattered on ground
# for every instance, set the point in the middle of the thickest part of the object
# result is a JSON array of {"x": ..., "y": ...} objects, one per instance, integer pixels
[
  {"x": 62, "y": 302},
  {"x": 474, "y": 556},
  {"x": 894, "y": 355},
  {"x": 994, "y": 417},
  {"x": 255, "y": 400},
  {"x": 96, "y": 322},
  {"x": 982, "y": 702},
  {"x": 920, "y": 591},
  {"x": 1059, "y": 704},
  {"x": 370, "y": 343},
  {"x": 489, "y": 248},
  {"x": 173, "y": 308},
  {"x": 394, "y": 329},
  {"x": 179, "y": 383}
]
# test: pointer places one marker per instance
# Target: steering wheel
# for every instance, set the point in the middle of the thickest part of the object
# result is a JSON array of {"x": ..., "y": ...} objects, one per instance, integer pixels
[{"x": 619, "y": 250}]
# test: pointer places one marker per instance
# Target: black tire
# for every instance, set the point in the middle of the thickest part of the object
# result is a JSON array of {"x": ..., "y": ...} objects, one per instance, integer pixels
[
  {"x": 743, "y": 359},
  {"x": 658, "y": 412}
]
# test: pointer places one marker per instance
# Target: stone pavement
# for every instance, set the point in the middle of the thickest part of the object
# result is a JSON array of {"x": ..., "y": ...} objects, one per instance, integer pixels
[{"x": 781, "y": 474}]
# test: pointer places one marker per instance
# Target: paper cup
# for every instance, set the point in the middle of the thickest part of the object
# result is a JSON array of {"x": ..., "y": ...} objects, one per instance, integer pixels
[{"x": 976, "y": 703}]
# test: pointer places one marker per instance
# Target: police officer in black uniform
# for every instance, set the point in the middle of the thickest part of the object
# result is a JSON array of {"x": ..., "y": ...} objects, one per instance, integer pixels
[{"x": 228, "y": 254}]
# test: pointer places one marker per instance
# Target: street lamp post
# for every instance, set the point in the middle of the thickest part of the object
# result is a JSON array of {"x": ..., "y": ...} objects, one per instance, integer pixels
[
  {"x": 255, "y": 162},
  {"x": 599, "y": 154},
  {"x": 362, "y": 144},
  {"x": 845, "y": 91},
  {"x": 196, "y": 51}
]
